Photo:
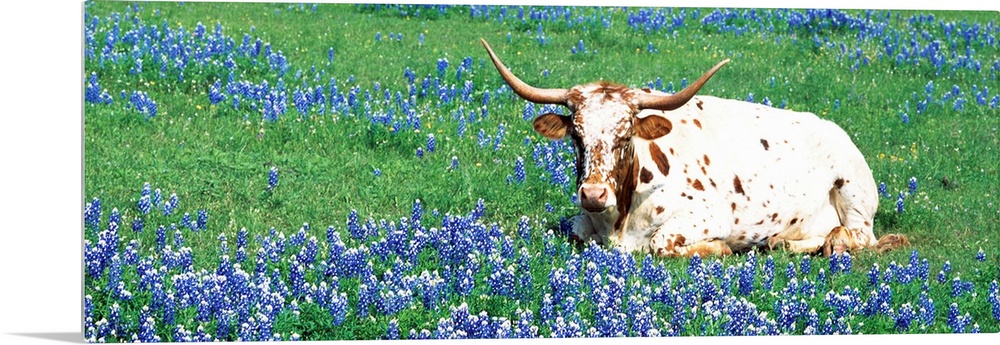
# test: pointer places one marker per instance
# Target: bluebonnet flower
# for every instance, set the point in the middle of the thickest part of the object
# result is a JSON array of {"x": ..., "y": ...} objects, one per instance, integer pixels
[
  {"x": 114, "y": 272},
  {"x": 272, "y": 178},
  {"x": 844, "y": 263},
  {"x": 186, "y": 221},
  {"x": 170, "y": 205},
  {"x": 202, "y": 220},
  {"x": 137, "y": 225},
  {"x": 377, "y": 172},
  {"x": 768, "y": 273},
  {"x": 147, "y": 327},
  {"x": 140, "y": 101},
  {"x": 879, "y": 302},
  {"x": 873, "y": 275},
  {"x": 805, "y": 266},
  {"x": 943, "y": 273},
  {"x": 420, "y": 152},
  {"x": 523, "y": 229},
  {"x": 115, "y": 217},
  {"x": 519, "y": 174},
  {"x": 464, "y": 281},
  {"x": 392, "y": 331},
  {"x": 913, "y": 185},
  {"x": 904, "y": 317},
  {"x": 442, "y": 64},
  {"x": 431, "y": 143},
  {"x": 501, "y": 131},
  {"x": 92, "y": 213},
  {"x": 454, "y": 163},
  {"x": 529, "y": 111},
  {"x": 980, "y": 255},
  {"x": 144, "y": 204},
  {"x": 748, "y": 274},
  {"x": 955, "y": 321},
  {"x": 925, "y": 310},
  {"x": 501, "y": 281},
  {"x": 482, "y": 139},
  {"x": 338, "y": 307},
  {"x": 993, "y": 297},
  {"x": 548, "y": 239},
  {"x": 161, "y": 237},
  {"x": 960, "y": 287},
  {"x": 354, "y": 227},
  {"x": 899, "y": 203},
  {"x": 215, "y": 92}
]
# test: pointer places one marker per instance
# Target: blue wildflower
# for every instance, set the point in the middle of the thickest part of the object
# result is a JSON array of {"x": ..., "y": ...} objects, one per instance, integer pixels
[
  {"x": 904, "y": 317},
  {"x": 202, "y": 220},
  {"x": 883, "y": 190},
  {"x": 392, "y": 331},
  {"x": 768, "y": 273},
  {"x": 805, "y": 266},
  {"x": 215, "y": 92},
  {"x": 519, "y": 174},
  {"x": 925, "y": 309},
  {"x": 186, "y": 221},
  {"x": 272, "y": 178},
  {"x": 899, "y": 203},
  {"x": 431, "y": 142},
  {"x": 523, "y": 229},
  {"x": 873, "y": 275},
  {"x": 137, "y": 225},
  {"x": 442, "y": 64},
  {"x": 144, "y": 204}
]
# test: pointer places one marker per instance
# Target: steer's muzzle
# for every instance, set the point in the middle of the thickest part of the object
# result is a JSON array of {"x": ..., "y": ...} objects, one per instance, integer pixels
[{"x": 596, "y": 197}]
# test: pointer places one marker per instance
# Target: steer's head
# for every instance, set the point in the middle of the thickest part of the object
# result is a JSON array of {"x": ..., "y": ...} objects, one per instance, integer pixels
[{"x": 602, "y": 124}]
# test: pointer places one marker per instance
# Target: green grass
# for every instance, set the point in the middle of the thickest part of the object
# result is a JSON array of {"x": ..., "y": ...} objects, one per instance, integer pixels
[{"x": 216, "y": 158}]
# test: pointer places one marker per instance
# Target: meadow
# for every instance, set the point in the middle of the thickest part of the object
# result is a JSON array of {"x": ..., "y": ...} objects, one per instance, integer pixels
[{"x": 260, "y": 171}]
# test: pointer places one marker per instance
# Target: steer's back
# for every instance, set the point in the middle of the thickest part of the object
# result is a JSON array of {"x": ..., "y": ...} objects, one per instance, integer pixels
[{"x": 763, "y": 170}]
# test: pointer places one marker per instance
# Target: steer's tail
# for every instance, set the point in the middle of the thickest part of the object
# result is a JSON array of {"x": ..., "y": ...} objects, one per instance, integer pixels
[{"x": 890, "y": 242}]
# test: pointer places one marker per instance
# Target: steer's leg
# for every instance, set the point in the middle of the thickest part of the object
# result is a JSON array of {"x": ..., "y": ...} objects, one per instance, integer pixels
[
  {"x": 670, "y": 244},
  {"x": 856, "y": 201},
  {"x": 808, "y": 245},
  {"x": 583, "y": 231}
]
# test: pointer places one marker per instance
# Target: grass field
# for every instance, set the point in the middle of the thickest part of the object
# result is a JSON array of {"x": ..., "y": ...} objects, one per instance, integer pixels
[{"x": 294, "y": 171}]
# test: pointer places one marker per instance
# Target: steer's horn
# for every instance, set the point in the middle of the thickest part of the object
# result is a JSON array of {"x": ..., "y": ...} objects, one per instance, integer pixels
[
  {"x": 674, "y": 101},
  {"x": 528, "y": 92}
]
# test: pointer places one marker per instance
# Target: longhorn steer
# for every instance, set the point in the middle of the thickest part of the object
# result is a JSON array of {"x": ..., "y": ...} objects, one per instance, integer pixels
[{"x": 679, "y": 174}]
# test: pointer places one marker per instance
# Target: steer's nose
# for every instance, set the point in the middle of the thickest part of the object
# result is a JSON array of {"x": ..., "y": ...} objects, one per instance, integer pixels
[{"x": 594, "y": 197}]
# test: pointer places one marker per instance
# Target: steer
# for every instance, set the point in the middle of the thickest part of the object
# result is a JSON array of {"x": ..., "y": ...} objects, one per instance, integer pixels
[{"x": 679, "y": 174}]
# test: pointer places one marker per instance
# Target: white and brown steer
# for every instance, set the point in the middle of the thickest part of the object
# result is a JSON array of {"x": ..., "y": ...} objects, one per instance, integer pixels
[{"x": 676, "y": 174}]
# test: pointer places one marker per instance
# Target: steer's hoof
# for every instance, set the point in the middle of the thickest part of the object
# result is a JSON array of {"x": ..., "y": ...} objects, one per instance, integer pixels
[
  {"x": 776, "y": 242},
  {"x": 838, "y": 241},
  {"x": 891, "y": 241}
]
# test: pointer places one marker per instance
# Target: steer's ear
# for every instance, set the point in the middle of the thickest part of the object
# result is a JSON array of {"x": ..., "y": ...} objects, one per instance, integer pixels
[
  {"x": 652, "y": 127},
  {"x": 552, "y": 126}
]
